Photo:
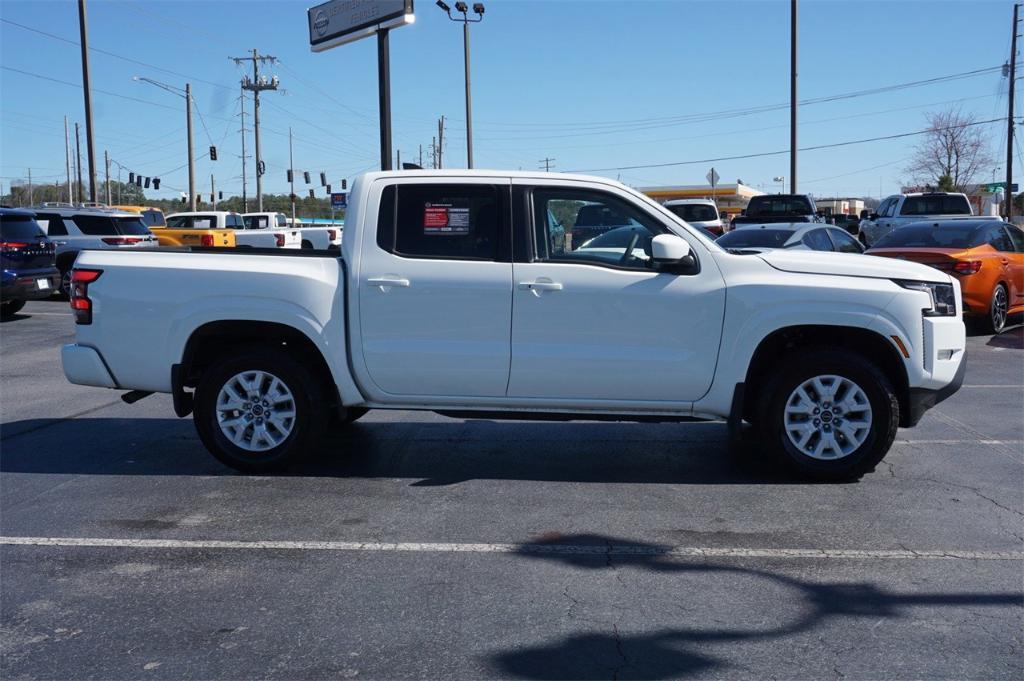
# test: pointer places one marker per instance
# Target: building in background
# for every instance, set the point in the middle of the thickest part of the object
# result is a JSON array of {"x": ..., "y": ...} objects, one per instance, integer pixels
[
  {"x": 731, "y": 198},
  {"x": 840, "y": 206}
]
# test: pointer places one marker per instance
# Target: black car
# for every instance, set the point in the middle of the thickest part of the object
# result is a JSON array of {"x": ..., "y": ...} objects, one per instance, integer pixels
[
  {"x": 786, "y": 208},
  {"x": 27, "y": 261}
]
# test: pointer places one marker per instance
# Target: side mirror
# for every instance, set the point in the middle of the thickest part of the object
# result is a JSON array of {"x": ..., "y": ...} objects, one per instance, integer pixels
[
  {"x": 864, "y": 214},
  {"x": 873, "y": 216},
  {"x": 671, "y": 251}
]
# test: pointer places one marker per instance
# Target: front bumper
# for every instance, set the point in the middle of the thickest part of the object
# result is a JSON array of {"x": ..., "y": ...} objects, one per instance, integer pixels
[
  {"x": 920, "y": 400},
  {"x": 31, "y": 285},
  {"x": 83, "y": 365}
]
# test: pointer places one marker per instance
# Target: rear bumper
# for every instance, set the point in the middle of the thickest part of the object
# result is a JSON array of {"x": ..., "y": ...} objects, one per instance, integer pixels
[
  {"x": 921, "y": 400},
  {"x": 26, "y": 285},
  {"x": 83, "y": 365}
]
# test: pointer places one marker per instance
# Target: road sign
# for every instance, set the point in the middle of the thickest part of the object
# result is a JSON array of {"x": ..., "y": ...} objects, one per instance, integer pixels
[
  {"x": 344, "y": 21},
  {"x": 993, "y": 187},
  {"x": 339, "y": 199},
  {"x": 713, "y": 177}
]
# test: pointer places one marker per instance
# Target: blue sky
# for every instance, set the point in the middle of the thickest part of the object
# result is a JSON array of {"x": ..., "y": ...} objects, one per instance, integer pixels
[{"x": 547, "y": 77}]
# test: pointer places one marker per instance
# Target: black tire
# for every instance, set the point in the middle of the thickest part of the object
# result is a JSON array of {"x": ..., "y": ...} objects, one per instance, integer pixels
[
  {"x": 307, "y": 403},
  {"x": 307, "y": 245},
  {"x": 863, "y": 240},
  {"x": 9, "y": 308},
  {"x": 65, "y": 282},
  {"x": 998, "y": 310},
  {"x": 792, "y": 373}
]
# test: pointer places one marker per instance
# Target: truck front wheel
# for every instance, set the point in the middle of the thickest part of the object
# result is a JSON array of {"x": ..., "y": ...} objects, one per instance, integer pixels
[
  {"x": 258, "y": 410},
  {"x": 830, "y": 414}
]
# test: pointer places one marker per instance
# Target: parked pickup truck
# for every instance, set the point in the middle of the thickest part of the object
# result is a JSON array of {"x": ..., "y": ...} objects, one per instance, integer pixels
[
  {"x": 450, "y": 295},
  {"x": 903, "y": 209},
  {"x": 310, "y": 236},
  {"x": 768, "y": 208},
  {"x": 225, "y": 226}
]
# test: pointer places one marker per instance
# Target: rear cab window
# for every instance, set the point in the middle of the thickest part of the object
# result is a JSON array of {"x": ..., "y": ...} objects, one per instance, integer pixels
[
  {"x": 936, "y": 204},
  {"x": 442, "y": 221},
  {"x": 153, "y": 218}
]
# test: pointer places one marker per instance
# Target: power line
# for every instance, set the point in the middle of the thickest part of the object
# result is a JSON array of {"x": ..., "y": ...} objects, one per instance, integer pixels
[{"x": 785, "y": 151}]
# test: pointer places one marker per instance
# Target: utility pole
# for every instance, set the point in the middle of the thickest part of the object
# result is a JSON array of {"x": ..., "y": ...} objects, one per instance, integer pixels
[
  {"x": 31, "y": 198},
  {"x": 191, "y": 155},
  {"x": 106, "y": 164},
  {"x": 384, "y": 95},
  {"x": 84, "y": 33},
  {"x": 421, "y": 156},
  {"x": 1008, "y": 191},
  {"x": 245, "y": 198},
  {"x": 398, "y": 159},
  {"x": 792, "y": 97},
  {"x": 291, "y": 172},
  {"x": 440, "y": 143},
  {"x": 213, "y": 192},
  {"x": 547, "y": 164},
  {"x": 67, "y": 159},
  {"x": 119, "y": 184},
  {"x": 78, "y": 155},
  {"x": 257, "y": 84}
]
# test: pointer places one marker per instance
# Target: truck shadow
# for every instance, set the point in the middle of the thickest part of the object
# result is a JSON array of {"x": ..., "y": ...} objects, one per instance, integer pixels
[
  {"x": 696, "y": 647},
  {"x": 431, "y": 453}
]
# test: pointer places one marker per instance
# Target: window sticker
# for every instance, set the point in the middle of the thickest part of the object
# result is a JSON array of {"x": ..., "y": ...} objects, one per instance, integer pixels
[{"x": 445, "y": 219}]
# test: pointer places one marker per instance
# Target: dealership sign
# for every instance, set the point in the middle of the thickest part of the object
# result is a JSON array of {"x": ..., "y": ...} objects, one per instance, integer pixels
[{"x": 344, "y": 21}]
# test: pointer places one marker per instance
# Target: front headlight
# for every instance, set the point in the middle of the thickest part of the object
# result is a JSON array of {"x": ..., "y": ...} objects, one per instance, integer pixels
[{"x": 942, "y": 295}]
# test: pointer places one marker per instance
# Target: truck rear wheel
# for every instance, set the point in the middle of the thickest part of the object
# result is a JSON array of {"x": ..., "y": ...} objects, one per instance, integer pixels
[
  {"x": 259, "y": 410},
  {"x": 830, "y": 414}
]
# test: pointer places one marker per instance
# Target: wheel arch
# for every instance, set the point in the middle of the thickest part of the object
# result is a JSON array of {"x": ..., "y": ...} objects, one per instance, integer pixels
[{"x": 872, "y": 346}]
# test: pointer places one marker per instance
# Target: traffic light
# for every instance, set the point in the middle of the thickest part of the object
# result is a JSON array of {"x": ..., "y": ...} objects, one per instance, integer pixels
[
  {"x": 305, "y": 175},
  {"x": 147, "y": 183},
  {"x": 290, "y": 176},
  {"x": 138, "y": 180},
  {"x": 156, "y": 183},
  {"x": 328, "y": 189},
  {"x": 261, "y": 168},
  {"x": 131, "y": 178},
  {"x": 213, "y": 153},
  {"x": 323, "y": 179},
  {"x": 220, "y": 195},
  {"x": 344, "y": 185},
  {"x": 292, "y": 197},
  {"x": 311, "y": 194}
]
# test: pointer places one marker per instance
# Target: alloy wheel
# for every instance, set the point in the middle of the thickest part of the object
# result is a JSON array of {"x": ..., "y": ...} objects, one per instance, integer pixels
[
  {"x": 827, "y": 417},
  {"x": 255, "y": 411}
]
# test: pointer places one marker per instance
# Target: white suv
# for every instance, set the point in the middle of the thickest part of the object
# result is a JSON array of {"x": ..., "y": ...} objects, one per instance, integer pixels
[{"x": 701, "y": 213}]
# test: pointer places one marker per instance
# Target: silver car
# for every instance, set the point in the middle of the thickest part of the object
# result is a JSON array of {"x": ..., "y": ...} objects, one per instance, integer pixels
[
  {"x": 77, "y": 228},
  {"x": 813, "y": 236}
]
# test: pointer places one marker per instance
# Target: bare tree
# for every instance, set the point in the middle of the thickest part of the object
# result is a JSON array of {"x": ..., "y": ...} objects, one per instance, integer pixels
[{"x": 953, "y": 152}]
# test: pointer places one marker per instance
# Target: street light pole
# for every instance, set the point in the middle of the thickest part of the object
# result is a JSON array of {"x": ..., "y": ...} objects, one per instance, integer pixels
[
  {"x": 187, "y": 94},
  {"x": 478, "y": 7},
  {"x": 90, "y": 149}
]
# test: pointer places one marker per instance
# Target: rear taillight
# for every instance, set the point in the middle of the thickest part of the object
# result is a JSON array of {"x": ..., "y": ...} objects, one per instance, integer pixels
[
  {"x": 967, "y": 267},
  {"x": 280, "y": 240},
  {"x": 206, "y": 240},
  {"x": 122, "y": 240},
  {"x": 332, "y": 234},
  {"x": 80, "y": 303},
  {"x": 13, "y": 246}
]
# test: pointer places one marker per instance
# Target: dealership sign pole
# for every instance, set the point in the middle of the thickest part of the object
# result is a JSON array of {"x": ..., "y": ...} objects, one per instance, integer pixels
[{"x": 339, "y": 22}]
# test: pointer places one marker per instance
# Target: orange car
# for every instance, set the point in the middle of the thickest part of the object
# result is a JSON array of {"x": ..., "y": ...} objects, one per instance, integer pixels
[{"x": 987, "y": 256}]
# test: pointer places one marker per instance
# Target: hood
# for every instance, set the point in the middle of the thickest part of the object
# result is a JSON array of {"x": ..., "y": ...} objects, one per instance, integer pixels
[{"x": 850, "y": 265}]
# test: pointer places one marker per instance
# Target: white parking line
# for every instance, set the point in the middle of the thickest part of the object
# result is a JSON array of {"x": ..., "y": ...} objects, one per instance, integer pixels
[
  {"x": 987, "y": 387},
  {"x": 959, "y": 442},
  {"x": 558, "y": 549},
  {"x": 47, "y": 314}
]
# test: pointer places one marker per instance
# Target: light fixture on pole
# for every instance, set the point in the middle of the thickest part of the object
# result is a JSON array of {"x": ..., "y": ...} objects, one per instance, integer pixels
[
  {"x": 187, "y": 94},
  {"x": 781, "y": 179},
  {"x": 462, "y": 8}
]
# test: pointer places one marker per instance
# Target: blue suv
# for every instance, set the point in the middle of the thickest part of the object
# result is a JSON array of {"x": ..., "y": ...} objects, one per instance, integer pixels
[{"x": 26, "y": 260}]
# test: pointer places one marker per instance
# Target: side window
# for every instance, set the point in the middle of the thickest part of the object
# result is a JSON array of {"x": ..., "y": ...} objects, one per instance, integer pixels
[
  {"x": 281, "y": 221},
  {"x": 890, "y": 209},
  {"x": 1016, "y": 236},
  {"x": 54, "y": 224},
  {"x": 442, "y": 221},
  {"x": 571, "y": 225},
  {"x": 234, "y": 221},
  {"x": 817, "y": 240},
  {"x": 997, "y": 238},
  {"x": 844, "y": 242},
  {"x": 204, "y": 222}
]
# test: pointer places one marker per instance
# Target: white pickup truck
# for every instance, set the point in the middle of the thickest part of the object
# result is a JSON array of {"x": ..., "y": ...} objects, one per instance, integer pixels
[
  {"x": 457, "y": 292},
  {"x": 310, "y": 236},
  {"x": 264, "y": 235},
  {"x": 903, "y": 209}
]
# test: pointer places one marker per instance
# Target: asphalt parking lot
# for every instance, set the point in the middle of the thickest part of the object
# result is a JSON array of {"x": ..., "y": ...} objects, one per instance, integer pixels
[{"x": 419, "y": 546}]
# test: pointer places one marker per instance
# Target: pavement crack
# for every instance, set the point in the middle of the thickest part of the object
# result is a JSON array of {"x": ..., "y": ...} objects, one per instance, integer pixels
[
  {"x": 975, "y": 490},
  {"x": 618, "y": 649},
  {"x": 569, "y": 611}
]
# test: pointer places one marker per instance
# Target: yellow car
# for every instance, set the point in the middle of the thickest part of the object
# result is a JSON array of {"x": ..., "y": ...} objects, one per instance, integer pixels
[{"x": 181, "y": 232}]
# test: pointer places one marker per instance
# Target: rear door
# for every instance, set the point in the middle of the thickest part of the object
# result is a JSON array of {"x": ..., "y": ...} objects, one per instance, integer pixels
[
  {"x": 1016, "y": 263},
  {"x": 435, "y": 288},
  {"x": 596, "y": 322}
]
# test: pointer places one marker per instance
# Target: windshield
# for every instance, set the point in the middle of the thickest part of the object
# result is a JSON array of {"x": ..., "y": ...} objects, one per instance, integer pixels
[
  {"x": 153, "y": 218},
  {"x": 106, "y": 224},
  {"x": 930, "y": 236},
  {"x": 755, "y": 238},
  {"x": 779, "y": 205},
  {"x": 938, "y": 204},
  {"x": 694, "y": 212},
  {"x": 19, "y": 227}
]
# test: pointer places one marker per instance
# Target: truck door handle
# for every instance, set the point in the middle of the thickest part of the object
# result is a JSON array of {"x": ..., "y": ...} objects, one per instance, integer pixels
[
  {"x": 541, "y": 285},
  {"x": 385, "y": 282}
]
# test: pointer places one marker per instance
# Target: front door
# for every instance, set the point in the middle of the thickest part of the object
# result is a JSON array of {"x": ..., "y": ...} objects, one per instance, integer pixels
[
  {"x": 594, "y": 320},
  {"x": 435, "y": 289}
]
